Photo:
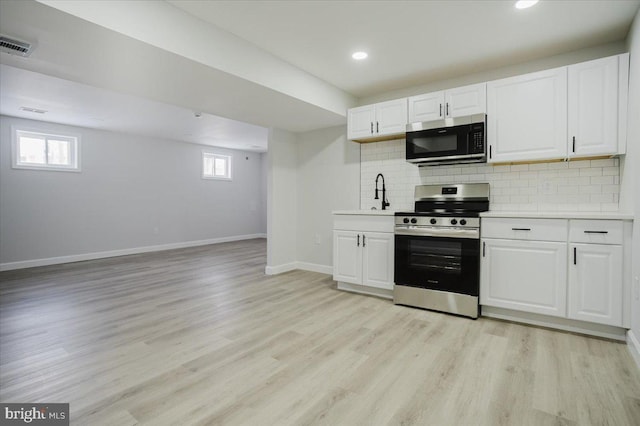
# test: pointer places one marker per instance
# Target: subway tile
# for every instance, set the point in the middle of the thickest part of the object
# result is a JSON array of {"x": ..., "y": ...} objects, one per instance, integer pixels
[
  {"x": 610, "y": 189},
  {"x": 601, "y": 198},
  {"x": 603, "y": 163},
  {"x": 595, "y": 180},
  {"x": 611, "y": 171},
  {"x": 579, "y": 164},
  {"x": 519, "y": 167},
  {"x": 591, "y": 171},
  {"x": 538, "y": 166}
]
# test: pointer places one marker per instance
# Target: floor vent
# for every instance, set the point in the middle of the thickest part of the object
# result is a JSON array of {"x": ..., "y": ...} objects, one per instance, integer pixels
[{"x": 15, "y": 47}]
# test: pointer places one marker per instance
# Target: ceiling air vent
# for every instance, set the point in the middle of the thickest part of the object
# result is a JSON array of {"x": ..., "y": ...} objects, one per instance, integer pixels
[{"x": 15, "y": 47}]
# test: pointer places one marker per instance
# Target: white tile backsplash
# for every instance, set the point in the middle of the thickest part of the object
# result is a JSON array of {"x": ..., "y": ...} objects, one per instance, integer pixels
[{"x": 579, "y": 185}]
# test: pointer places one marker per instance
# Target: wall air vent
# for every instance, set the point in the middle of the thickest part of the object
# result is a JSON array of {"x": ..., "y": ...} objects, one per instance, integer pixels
[{"x": 15, "y": 47}]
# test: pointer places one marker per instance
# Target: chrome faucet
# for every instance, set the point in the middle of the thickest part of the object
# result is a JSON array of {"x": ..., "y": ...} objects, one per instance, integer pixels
[{"x": 384, "y": 192}]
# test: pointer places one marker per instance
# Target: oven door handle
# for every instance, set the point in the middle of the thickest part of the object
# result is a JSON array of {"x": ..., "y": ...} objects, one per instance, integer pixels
[{"x": 438, "y": 232}]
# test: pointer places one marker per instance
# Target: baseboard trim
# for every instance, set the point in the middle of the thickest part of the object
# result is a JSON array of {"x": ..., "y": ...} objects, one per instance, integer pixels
[
  {"x": 280, "y": 269},
  {"x": 122, "y": 252},
  {"x": 314, "y": 267},
  {"x": 291, "y": 266},
  {"x": 633, "y": 344},
  {"x": 600, "y": 330}
]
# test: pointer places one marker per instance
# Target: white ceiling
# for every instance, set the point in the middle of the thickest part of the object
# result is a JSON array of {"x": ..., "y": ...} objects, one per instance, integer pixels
[
  {"x": 279, "y": 64},
  {"x": 81, "y": 105},
  {"x": 414, "y": 42}
]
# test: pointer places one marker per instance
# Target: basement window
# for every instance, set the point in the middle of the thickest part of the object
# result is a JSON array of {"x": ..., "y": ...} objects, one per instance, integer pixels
[
  {"x": 44, "y": 151},
  {"x": 216, "y": 166}
]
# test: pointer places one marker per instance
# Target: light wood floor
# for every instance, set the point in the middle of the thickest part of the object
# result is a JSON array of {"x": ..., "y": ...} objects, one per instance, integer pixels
[{"x": 202, "y": 336}]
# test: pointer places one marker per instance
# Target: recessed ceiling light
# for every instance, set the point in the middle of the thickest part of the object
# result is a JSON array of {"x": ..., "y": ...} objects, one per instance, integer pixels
[
  {"x": 524, "y": 4},
  {"x": 358, "y": 56}
]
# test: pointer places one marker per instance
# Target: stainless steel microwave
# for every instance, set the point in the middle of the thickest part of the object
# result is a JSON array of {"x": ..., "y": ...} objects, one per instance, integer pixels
[{"x": 448, "y": 141}]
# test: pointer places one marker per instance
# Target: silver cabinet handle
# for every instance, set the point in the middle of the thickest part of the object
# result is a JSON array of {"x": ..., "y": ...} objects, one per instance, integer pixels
[
  {"x": 574, "y": 144},
  {"x": 596, "y": 232},
  {"x": 363, "y": 240},
  {"x": 372, "y": 127},
  {"x": 575, "y": 260},
  {"x": 521, "y": 229},
  {"x": 447, "y": 109},
  {"x": 358, "y": 240},
  {"x": 377, "y": 127},
  {"x": 440, "y": 110}
]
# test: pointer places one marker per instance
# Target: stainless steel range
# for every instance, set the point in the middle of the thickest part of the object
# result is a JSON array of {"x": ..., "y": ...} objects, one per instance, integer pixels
[{"x": 437, "y": 249}]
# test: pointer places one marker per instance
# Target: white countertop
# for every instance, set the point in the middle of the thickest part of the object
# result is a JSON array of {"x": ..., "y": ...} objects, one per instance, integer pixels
[
  {"x": 560, "y": 215},
  {"x": 366, "y": 212}
]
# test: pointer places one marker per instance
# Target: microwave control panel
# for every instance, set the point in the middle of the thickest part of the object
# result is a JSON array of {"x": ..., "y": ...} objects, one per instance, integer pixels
[{"x": 476, "y": 139}]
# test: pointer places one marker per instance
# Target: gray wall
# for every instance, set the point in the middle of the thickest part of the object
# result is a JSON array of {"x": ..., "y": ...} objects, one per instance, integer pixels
[
  {"x": 282, "y": 201},
  {"x": 328, "y": 180},
  {"x": 132, "y": 192}
]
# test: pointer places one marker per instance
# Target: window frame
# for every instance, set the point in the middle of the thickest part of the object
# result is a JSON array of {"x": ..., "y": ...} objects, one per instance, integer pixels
[
  {"x": 73, "y": 138},
  {"x": 228, "y": 159}
]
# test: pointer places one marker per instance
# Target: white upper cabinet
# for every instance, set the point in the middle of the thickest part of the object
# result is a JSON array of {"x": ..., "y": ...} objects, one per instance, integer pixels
[
  {"x": 451, "y": 103},
  {"x": 378, "y": 121},
  {"x": 527, "y": 117},
  {"x": 467, "y": 100},
  {"x": 361, "y": 121},
  {"x": 597, "y": 106},
  {"x": 427, "y": 107}
]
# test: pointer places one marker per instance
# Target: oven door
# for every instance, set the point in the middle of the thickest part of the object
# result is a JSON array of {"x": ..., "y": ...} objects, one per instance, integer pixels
[{"x": 447, "y": 264}]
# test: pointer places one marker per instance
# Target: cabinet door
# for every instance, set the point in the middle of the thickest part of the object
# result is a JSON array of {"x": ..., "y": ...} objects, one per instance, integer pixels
[
  {"x": 427, "y": 107},
  {"x": 593, "y": 108},
  {"x": 347, "y": 257},
  {"x": 525, "y": 276},
  {"x": 466, "y": 100},
  {"x": 377, "y": 260},
  {"x": 391, "y": 117},
  {"x": 527, "y": 117},
  {"x": 361, "y": 121},
  {"x": 595, "y": 283}
]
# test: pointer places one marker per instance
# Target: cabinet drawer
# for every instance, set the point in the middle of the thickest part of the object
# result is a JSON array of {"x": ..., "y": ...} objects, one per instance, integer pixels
[
  {"x": 595, "y": 231},
  {"x": 363, "y": 223},
  {"x": 525, "y": 229}
]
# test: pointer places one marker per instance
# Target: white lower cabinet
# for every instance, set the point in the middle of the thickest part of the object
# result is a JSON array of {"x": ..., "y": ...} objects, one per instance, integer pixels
[
  {"x": 577, "y": 273},
  {"x": 595, "y": 283},
  {"x": 524, "y": 275},
  {"x": 347, "y": 257},
  {"x": 363, "y": 252},
  {"x": 363, "y": 258},
  {"x": 377, "y": 260}
]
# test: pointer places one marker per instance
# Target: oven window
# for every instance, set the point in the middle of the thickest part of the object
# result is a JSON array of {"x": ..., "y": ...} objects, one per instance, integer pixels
[
  {"x": 426, "y": 145},
  {"x": 435, "y": 256}
]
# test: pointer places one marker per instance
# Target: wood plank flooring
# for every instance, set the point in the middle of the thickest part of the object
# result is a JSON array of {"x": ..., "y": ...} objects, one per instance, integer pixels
[{"x": 200, "y": 336}]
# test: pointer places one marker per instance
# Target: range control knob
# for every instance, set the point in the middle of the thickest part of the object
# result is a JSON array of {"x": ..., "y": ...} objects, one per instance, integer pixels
[
  {"x": 433, "y": 221},
  {"x": 406, "y": 220},
  {"x": 414, "y": 220},
  {"x": 463, "y": 222},
  {"x": 453, "y": 221}
]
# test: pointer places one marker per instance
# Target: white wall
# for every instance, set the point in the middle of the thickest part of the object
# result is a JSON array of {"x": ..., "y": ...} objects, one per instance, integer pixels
[
  {"x": 282, "y": 201},
  {"x": 264, "y": 175},
  {"x": 587, "y": 185},
  {"x": 631, "y": 168},
  {"x": 328, "y": 179},
  {"x": 502, "y": 72},
  {"x": 132, "y": 192}
]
